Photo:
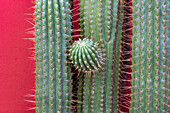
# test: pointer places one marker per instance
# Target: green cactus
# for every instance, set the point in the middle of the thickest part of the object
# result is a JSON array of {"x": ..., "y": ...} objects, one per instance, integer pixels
[
  {"x": 96, "y": 57},
  {"x": 90, "y": 56},
  {"x": 53, "y": 80},
  {"x": 150, "y": 53},
  {"x": 98, "y": 19},
  {"x": 86, "y": 55}
]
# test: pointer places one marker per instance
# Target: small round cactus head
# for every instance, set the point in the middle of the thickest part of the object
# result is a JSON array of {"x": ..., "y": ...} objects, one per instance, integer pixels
[{"x": 86, "y": 56}]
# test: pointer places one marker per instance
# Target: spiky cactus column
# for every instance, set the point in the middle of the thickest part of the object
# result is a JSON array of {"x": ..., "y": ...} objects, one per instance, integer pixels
[
  {"x": 150, "y": 77},
  {"x": 53, "y": 80},
  {"x": 98, "y": 18}
]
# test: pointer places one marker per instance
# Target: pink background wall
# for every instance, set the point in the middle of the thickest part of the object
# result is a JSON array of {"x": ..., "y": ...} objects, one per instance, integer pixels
[{"x": 16, "y": 70}]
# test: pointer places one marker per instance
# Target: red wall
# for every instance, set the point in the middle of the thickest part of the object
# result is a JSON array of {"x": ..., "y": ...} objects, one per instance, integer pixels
[{"x": 16, "y": 70}]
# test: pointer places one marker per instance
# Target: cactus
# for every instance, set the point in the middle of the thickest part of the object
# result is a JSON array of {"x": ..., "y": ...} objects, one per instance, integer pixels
[
  {"x": 53, "y": 67},
  {"x": 150, "y": 53},
  {"x": 96, "y": 65},
  {"x": 53, "y": 80},
  {"x": 86, "y": 56},
  {"x": 98, "y": 19}
]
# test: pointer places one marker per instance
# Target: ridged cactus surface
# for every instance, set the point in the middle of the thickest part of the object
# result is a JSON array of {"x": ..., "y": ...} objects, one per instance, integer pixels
[
  {"x": 150, "y": 57},
  {"x": 53, "y": 80}
]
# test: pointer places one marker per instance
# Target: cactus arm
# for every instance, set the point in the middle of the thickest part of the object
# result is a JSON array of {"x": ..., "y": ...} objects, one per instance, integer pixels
[
  {"x": 103, "y": 19},
  {"x": 161, "y": 55},
  {"x": 138, "y": 50},
  {"x": 54, "y": 72},
  {"x": 94, "y": 19},
  {"x": 98, "y": 21},
  {"x": 134, "y": 53},
  {"x": 52, "y": 66},
  {"x": 95, "y": 23},
  {"x": 108, "y": 46},
  {"x": 113, "y": 16},
  {"x": 153, "y": 56},
  {"x": 136, "y": 88},
  {"x": 149, "y": 81},
  {"x": 138, "y": 58},
  {"x": 68, "y": 35},
  {"x": 167, "y": 49},
  {"x": 87, "y": 18},
  {"x": 152, "y": 51},
  {"x": 63, "y": 57},
  {"x": 46, "y": 37},
  {"x": 39, "y": 59},
  {"x": 68, "y": 22},
  {"x": 109, "y": 17},
  {"x": 57, "y": 81},
  {"x": 144, "y": 56},
  {"x": 106, "y": 17},
  {"x": 97, "y": 76},
  {"x": 97, "y": 92},
  {"x": 108, "y": 75}
]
